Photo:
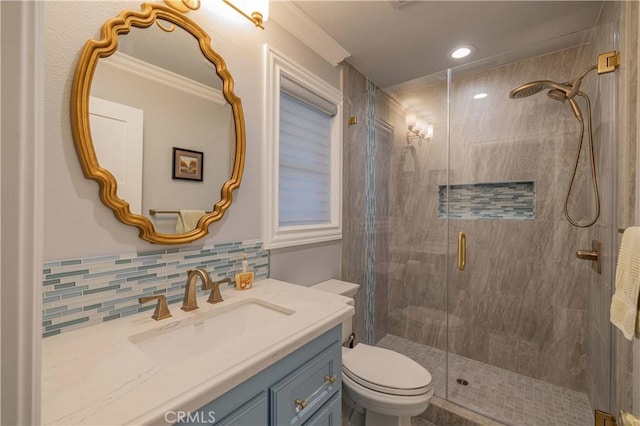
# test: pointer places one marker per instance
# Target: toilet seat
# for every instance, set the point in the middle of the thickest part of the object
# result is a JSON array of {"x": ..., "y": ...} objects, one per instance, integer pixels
[{"x": 385, "y": 371}]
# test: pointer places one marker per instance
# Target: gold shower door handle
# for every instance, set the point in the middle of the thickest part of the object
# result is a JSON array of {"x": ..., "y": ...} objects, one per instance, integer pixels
[{"x": 462, "y": 250}]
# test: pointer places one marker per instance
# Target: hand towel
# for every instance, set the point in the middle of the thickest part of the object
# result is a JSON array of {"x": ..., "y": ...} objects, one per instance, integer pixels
[
  {"x": 188, "y": 220},
  {"x": 628, "y": 419},
  {"x": 624, "y": 304}
]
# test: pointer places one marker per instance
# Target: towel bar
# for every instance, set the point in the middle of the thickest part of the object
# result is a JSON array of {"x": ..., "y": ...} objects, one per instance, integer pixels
[{"x": 153, "y": 212}]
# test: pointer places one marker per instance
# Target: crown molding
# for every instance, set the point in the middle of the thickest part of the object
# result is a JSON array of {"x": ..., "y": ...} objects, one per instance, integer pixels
[
  {"x": 163, "y": 76},
  {"x": 294, "y": 21}
]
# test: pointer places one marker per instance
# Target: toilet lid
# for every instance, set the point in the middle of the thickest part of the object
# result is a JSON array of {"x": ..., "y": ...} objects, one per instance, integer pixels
[{"x": 385, "y": 371}]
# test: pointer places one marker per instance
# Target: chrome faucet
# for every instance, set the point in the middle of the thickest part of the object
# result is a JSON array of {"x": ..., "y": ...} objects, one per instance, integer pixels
[{"x": 189, "y": 302}]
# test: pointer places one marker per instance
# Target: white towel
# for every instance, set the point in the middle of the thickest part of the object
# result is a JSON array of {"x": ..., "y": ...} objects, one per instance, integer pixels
[
  {"x": 624, "y": 304},
  {"x": 188, "y": 220}
]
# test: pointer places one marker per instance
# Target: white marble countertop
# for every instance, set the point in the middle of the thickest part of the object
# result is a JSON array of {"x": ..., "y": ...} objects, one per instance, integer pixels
[{"x": 96, "y": 375}]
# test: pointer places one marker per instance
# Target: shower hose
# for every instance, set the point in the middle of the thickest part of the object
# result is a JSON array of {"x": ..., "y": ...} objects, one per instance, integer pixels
[{"x": 594, "y": 178}]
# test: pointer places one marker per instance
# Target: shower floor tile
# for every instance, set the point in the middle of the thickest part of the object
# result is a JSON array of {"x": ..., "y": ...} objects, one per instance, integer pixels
[{"x": 500, "y": 394}]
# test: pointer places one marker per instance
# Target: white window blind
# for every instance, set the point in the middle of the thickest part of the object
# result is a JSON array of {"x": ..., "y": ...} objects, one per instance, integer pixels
[
  {"x": 304, "y": 161},
  {"x": 302, "y": 165},
  {"x": 302, "y": 93}
]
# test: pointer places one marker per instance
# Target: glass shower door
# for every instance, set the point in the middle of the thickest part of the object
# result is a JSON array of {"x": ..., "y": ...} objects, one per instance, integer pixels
[{"x": 519, "y": 311}]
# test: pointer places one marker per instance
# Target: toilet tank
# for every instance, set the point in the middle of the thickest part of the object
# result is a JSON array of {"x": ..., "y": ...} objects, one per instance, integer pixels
[{"x": 342, "y": 288}]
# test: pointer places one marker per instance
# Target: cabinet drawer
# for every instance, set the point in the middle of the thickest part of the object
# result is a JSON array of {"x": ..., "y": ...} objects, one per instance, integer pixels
[
  {"x": 330, "y": 414},
  {"x": 299, "y": 395},
  {"x": 254, "y": 412}
]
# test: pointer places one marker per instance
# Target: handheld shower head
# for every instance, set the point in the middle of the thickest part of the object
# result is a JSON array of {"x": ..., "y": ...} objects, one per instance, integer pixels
[{"x": 557, "y": 95}]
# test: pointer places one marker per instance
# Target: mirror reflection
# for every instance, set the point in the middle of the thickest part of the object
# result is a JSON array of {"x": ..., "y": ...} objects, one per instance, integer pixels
[{"x": 157, "y": 94}]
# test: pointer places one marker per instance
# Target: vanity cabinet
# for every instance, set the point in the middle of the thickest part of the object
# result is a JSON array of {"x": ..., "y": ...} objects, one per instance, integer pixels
[{"x": 303, "y": 388}]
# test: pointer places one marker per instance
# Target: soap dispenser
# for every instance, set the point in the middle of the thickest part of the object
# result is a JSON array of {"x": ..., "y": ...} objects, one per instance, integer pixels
[{"x": 244, "y": 279}]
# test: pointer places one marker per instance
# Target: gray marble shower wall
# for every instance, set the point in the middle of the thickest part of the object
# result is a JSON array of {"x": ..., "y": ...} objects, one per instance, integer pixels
[
  {"x": 521, "y": 303},
  {"x": 366, "y": 227}
]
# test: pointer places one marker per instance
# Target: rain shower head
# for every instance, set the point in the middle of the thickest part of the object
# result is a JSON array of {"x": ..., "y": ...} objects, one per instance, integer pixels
[
  {"x": 527, "y": 89},
  {"x": 557, "y": 92}
]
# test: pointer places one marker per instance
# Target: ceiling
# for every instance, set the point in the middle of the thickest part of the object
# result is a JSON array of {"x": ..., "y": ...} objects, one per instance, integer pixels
[{"x": 394, "y": 42}]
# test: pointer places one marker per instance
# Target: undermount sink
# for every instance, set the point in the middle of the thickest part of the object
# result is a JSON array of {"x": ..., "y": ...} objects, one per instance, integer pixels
[{"x": 180, "y": 340}]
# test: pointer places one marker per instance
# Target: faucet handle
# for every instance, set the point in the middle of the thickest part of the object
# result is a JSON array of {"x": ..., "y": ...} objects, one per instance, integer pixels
[
  {"x": 162, "y": 310},
  {"x": 214, "y": 286}
]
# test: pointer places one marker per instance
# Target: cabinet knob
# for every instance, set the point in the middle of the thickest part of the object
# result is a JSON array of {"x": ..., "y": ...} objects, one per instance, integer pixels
[
  {"x": 301, "y": 404},
  {"x": 330, "y": 379}
]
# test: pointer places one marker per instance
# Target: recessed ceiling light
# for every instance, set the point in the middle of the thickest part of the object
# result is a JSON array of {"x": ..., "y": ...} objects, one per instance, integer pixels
[
  {"x": 461, "y": 52},
  {"x": 480, "y": 96}
]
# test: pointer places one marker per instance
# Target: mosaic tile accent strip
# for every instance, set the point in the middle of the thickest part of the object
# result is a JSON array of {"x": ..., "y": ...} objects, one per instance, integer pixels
[
  {"x": 503, "y": 395},
  {"x": 370, "y": 216},
  {"x": 500, "y": 200},
  {"x": 82, "y": 292}
]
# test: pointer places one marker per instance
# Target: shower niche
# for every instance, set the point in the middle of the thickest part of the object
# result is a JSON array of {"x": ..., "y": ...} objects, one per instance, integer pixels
[{"x": 499, "y": 200}]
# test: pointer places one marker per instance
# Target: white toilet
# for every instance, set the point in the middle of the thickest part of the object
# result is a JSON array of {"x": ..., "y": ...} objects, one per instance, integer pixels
[{"x": 382, "y": 387}]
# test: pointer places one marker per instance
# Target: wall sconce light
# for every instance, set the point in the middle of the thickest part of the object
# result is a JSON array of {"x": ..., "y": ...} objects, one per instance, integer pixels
[
  {"x": 256, "y": 11},
  {"x": 418, "y": 130}
]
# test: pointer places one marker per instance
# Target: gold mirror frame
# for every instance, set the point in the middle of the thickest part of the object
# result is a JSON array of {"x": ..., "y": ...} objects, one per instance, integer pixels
[{"x": 106, "y": 46}]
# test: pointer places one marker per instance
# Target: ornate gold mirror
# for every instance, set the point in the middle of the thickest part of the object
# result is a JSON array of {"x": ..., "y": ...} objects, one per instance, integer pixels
[{"x": 156, "y": 123}]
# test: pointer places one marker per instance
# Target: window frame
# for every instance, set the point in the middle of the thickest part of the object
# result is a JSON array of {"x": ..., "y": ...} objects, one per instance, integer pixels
[{"x": 276, "y": 67}]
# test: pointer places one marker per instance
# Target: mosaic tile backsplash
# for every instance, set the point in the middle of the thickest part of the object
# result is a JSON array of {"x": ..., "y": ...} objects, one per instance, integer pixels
[
  {"x": 501, "y": 200},
  {"x": 82, "y": 292}
]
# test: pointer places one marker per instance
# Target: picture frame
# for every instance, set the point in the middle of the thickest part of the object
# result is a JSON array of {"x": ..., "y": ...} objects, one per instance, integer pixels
[{"x": 187, "y": 164}]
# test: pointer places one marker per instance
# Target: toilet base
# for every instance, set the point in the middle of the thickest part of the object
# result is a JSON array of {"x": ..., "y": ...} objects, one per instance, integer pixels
[
  {"x": 371, "y": 418},
  {"x": 359, "y": 416}
]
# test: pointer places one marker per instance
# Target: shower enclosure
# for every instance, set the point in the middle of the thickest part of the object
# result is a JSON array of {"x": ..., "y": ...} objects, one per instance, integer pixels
[{"x": 521, "y": 333}]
